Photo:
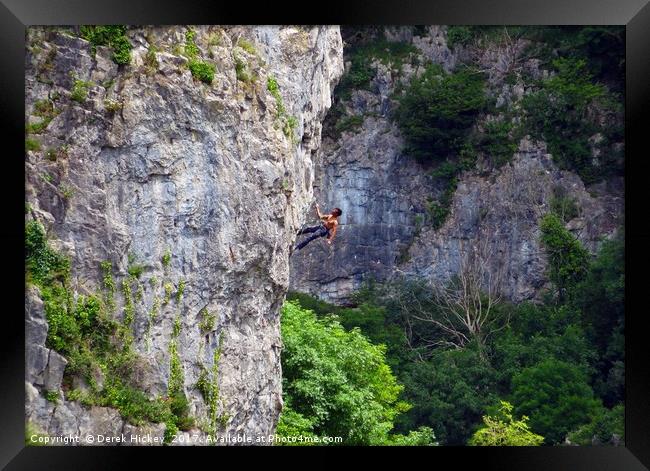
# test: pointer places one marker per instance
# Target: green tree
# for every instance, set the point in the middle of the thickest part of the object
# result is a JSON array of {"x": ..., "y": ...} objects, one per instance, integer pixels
[
  {"x": 437, "y": 110},
  {"x": 373, "y": 321},
  {"x": 567, "y": 258},
  {"x": 556, "y": 396},
  {"x": 336, "y": 382},
  {"x": 449, "y": 392},
  {"x": 561, "y": 112},
  {"x": 294, "y": 424},
  {"x": 601, "y": 299},
  {"x": 423, "y": 436},
  {"x": 536, "y": 333},
  {"x": 503, "y": 430},
  {"x": 607, "y": 425}
]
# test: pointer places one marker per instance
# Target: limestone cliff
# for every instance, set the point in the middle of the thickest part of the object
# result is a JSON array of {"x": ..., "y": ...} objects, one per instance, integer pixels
[
  {"x": 384, "y": 193},
  {"x": 189, "y": 192}
]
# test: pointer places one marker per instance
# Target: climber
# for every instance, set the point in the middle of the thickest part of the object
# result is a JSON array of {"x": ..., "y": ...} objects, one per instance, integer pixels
[{"x": 327, "y": 227}]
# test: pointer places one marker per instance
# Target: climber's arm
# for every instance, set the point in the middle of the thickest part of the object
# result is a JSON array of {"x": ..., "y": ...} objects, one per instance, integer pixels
[{"x": 320, "y": 215}]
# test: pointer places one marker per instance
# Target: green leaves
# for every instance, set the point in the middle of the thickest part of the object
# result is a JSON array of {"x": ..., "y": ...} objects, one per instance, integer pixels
[
  {"x": 556, "y": 396},
  {"x": 503, "y": 430},
  {"x": 113, "y": 36},
  {"x": 601, "y": 298},
  {"x": 200, "y": 70},
  {"x": 562, "y": 113},
  {"x": 568, "y": 259},
  {"x": 287, "y": 122},
  {"x": 437, "y": 111},
  {"x": 337, "y": 382},
  {"x": 606, "y": 425},
  {"x": 362, "y": 70},
  {"x": 79, "y": 91},
  {"x": 573, "y": 83},
  {"x": 449, "y": 392},
  {"x": 42, "y": 263}
]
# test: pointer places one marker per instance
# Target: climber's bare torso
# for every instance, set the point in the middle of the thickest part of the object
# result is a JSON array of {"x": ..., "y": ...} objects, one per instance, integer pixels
[{"x": 330, "y": 221}]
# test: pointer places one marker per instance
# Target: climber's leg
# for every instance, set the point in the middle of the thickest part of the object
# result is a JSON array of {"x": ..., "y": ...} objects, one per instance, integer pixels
[
  {"x": 321, "y": 233},
  {"x": 307, "y": 230}
]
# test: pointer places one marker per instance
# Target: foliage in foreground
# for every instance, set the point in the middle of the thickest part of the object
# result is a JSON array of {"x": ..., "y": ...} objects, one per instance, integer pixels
[
  {"x": 336, "y": 383},
  {"x": 558, "y": 361},
  {"x": 503, "y": 430},
  {"x": 607, "y": 425}
]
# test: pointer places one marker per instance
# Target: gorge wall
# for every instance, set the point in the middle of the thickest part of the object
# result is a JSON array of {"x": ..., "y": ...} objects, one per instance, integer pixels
[
  {"x": 385, "y": 194},
  {"x": 175, "y": 172},
  {"x": 187, "y": 194}
]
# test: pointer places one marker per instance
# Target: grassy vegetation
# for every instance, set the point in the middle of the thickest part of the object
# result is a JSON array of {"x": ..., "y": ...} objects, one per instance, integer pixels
[
  {"x": 166, "y": 259},
  {"x": 559, "y": 112},
  {"x": 113, "y": 36},
  {"x": 359, "y": 76},
  {"x": 180, "y": 291},
  {"x": 33, "y": 437},
  {"x": 52, "y": 154},
  {"x": 82, "y": 329},
  {"x": 568, "y": 260},
  {"x": 498, "y": 142},
  {"x": 113, "y": 106},
  {"x": 151, "y": 59},
  {"x": 79, "y": 91},
  {"x": 134, "y": 269},
  {"x": 247, "y": 46},
  {"x": 273, "y": 87},
  {"x": 562, "y": 205},
  {"x": 38, "y": 128},
  {"x": 362, "y": 70},
  {"x": 108, "y": 285},
  {"x": 208, "y": 386},
  {"x": 207, "y": 321},
  {"x": 32, "y": 145},
  {"x": 438, "y": 210},
  {"x": 66, "y": 191},
  {"x": 46, "y": 110},
  {"x": 180, "y": 418},
  {"x": 201, "y": 70},
  {"x": 129, "y": 307},
  {"x": 242, "y": 72},
  {"x": 52, "y": 396},
  {"x": 214, "y": 39},
  {"x": 168, "y": 287},
  {"x": 459, "y": 35},
  {"x": 287, "y": 122},
  {"x": 349, "y": 123}
]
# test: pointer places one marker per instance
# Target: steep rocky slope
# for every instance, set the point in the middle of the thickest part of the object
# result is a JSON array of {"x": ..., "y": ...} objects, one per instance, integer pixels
[
  {"x": 185, "y": 197},
  {"x": 386, "y": 195}
]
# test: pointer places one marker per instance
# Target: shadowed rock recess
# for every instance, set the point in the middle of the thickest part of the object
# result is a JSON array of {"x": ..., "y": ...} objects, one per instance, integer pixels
[{"x": 189, "y": 192}]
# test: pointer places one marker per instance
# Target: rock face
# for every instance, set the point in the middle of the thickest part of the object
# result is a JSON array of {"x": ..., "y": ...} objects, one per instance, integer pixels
[
  {"x": 153, "y": 161},
  {"x": 497, "y": 217},
  {"x": 384, "y": 193},
  {"x": 365, "y": 173}
]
